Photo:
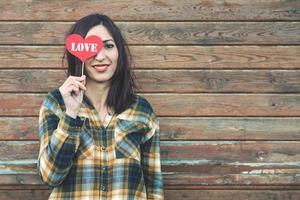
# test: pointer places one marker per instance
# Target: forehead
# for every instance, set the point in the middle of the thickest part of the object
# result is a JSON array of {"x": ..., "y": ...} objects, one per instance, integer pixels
[{"x": 100, "y": 31}]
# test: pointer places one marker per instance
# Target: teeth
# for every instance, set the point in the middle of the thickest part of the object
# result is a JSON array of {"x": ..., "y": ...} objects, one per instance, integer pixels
[{"x": 100, "y": 67}]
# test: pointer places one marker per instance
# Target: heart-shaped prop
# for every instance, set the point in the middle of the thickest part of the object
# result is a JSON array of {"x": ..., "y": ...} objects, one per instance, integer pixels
[{"x": 83, "y": 48}]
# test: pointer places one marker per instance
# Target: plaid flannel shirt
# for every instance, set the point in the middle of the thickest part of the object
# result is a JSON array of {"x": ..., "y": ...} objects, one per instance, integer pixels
[{"x": 86, "y": 158}]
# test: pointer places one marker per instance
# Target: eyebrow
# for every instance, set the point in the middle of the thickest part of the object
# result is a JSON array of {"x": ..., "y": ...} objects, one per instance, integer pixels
[{"x": 104, "y": 41}]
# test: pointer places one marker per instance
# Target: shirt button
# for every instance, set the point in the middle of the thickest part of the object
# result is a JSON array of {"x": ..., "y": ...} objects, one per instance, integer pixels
[
  {"x": 103, "y": 148},
  {"x": 103, "y": 188},
  {"x": 103, "y": 168}
]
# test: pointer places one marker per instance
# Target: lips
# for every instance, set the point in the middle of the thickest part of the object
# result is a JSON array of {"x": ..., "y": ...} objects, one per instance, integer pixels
[{"x": 101, "y": 68}]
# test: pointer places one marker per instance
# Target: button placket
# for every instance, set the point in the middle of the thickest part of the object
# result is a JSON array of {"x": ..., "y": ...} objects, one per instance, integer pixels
[
  {"x": 103, "y": 188},
  {"x": 103, "y": 169}
]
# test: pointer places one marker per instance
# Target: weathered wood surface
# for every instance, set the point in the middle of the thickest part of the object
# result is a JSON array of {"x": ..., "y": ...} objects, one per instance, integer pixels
[
  {"x": 186, "y": 180},
  {"x": 165, "y": 81},
  {"x": 186, "y": 163},
  {"x": 152, "y": 10},
  {"x": 163, "y": 33},
  {"x": 177, "y": 194},
  {"x": 189, "y": 181},
  {"x": 240, "y": 153},
  {"x": 184, "y": 128},
  {"x": 165, "y": 57},
  {"x": 206, "y": 67},
  {"x": 182, "y": 105}
]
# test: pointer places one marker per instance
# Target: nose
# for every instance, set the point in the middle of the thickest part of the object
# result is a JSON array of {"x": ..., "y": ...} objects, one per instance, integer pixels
[{"x": 100, "y": 56}]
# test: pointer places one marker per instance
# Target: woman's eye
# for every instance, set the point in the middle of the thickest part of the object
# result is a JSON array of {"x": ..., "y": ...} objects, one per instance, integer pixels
[{"x": 109, "y": 46}]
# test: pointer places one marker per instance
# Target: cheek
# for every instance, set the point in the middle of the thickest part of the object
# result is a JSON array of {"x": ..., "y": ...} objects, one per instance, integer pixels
[
  {"x": 115, "y": 55},
  {"x": 88, "y": 62}
]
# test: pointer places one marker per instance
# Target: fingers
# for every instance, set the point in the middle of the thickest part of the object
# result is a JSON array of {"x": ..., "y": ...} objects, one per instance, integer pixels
[
  {"x": 77, "y": 81},
  {"x": 73, "y": 85},
  {"x": 78, "y": 85},
  {"x": 74, "y": 89},
  {"x": 78, "y": 78}
]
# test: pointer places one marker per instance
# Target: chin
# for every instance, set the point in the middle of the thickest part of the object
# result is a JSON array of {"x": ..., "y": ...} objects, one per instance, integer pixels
[{"x": 99, "y": 79}]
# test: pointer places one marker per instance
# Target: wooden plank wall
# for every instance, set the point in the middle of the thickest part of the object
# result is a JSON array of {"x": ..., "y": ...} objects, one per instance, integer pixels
[{"x": 223, "y": 77}]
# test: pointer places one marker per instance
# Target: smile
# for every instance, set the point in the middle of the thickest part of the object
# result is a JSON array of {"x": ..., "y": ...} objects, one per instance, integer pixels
[{"x": 100, "y": 68}]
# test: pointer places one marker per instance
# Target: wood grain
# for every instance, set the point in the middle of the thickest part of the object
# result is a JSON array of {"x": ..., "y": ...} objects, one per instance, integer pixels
[
  {"x": 184, "y": 128},
  {"x": 174, "y": 187},
  {"x": 152, "y": 10},
  {"x": 195, "y": 128},
  {"x": 166, "y": 81},
  {"x": 201, "y": 162},
  {"x": 219, "y": 57},
  {"x": 163, "y": 33},
  {"x": 177, "y": 194},
  {"x": 222, "y": 76},
  {"x": 184, "y": 180},
  {"x": 232, "y": 194},
  {"x": 182, "y": 105},
  {"x": 225, "y": 104},
  {"x": 165, "y": 57}
]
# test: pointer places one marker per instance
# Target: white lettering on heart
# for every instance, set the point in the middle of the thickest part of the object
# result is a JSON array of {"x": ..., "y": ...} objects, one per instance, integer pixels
[{"x": 84, "y": 47}]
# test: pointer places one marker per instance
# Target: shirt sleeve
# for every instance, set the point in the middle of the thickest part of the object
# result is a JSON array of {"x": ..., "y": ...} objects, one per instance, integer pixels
[
  {"x": 150, "y": 159},
  {"x": 59, "y": 140}
]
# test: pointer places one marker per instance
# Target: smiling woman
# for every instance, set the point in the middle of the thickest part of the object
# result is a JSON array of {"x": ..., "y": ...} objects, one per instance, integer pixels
[{"x": 98, "y": 139}]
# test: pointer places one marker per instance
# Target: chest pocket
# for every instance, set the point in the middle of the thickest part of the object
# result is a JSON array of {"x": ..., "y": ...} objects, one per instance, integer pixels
[{"x": 128, "y": 137}]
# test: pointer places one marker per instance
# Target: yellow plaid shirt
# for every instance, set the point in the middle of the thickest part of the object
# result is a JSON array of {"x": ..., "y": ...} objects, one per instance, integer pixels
[{"x": 84, "y": 158}]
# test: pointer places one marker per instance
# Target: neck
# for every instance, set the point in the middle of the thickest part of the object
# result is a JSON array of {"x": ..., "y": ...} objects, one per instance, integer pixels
[{"x": 97, "y": 93}]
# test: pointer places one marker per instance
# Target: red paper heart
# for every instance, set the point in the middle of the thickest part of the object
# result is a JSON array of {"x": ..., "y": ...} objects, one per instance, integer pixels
[{"x": 83, "y": 48}]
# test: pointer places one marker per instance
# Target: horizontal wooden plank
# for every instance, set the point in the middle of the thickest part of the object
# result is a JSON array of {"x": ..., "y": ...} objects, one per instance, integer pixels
[
  {"x": 232, "y": 151},
  {"x": 166, "y": 57},
  {"x": 192, "y": 180},
  {"x": 209, "y": 161},
  {"x": 197, "y": 167},
  {"x": 188, "y": 128},
  {"x": 240, "y": 153},
  {"x": 25, "y": 128},
  {"x": 168, "y": 187},
  {"x": 152, "y": 10},
  {"x": 180, "y": 104},
  {"x": 24, "y": 194},
  {"x": 20, "y": 104},
  {"x": 225, "y": 104},
  {"x": 232, "y": 194},
  {"x": 184, "y": 180},
  {"x": 229, "y": 128},
  {"x": 217, "y": 81},
  {"x": 179, "y": 81},
  {"x": 17, "y": 151},
  {"x": 176, "y": 194},
  {"x": 163, "y": 33}
]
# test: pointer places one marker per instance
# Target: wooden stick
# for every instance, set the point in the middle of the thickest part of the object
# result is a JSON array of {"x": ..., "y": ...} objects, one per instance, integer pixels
[
  {"x": 81, "y": 91},
  {"x": 82, "y": 68}
]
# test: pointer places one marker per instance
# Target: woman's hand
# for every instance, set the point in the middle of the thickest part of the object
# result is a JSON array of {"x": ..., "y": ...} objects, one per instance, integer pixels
[{"x": 72, "y": 93}]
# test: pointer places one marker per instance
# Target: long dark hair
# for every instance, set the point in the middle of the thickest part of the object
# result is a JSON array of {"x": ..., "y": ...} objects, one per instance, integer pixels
[{"x": 122, "y": 91}]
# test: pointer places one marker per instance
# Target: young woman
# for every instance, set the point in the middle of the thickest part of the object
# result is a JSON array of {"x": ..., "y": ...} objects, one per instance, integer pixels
[{"x": 98, "y": 139}]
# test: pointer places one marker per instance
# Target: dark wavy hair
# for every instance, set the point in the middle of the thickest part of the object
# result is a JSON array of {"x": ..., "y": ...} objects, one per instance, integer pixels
[{"x": 123, "y": 85}]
